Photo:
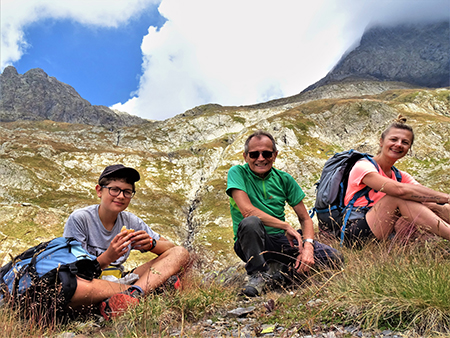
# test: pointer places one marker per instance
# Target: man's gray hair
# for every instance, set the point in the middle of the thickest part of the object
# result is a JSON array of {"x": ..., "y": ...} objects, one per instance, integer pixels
[{"x": 258, "y": 134}]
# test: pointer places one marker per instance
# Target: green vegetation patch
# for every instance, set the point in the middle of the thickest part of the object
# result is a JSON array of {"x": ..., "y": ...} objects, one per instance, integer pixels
[
  {"x": 215, "y": 202},
  {"x": 314, "y": 107},
  {"x": 60, "y": 198},
  {"x": 443, "y": 95},
  {"x": 203, "y": 110},
  {"x": 238, "y": 119},
  {"x": 396, "y": 287},
  {"x": 408, "y": 96},
  {"x": 299, "y": 123}
]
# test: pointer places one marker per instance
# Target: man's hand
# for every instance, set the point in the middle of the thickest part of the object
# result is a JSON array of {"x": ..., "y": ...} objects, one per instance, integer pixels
[
  {"x": 305, "y": 258},
  {"x": 292, "y": 234},
  {"x": 142, "y": 241}
]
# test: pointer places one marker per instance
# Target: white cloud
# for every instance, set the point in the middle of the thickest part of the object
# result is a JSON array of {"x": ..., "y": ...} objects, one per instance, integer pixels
[
  {"x": 236, "y": 52},
  {"x": 17, "y": 14},
  {"x": 239, "y": 52}
]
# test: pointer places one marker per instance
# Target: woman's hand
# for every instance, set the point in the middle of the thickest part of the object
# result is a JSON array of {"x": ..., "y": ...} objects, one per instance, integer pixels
[{"x": 443, "y": 211}]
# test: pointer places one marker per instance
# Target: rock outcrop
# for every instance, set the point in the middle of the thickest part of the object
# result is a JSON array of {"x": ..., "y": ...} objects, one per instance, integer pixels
[
  {"x": 37, "y": 96},
  {"x": 48, "y": 169},
  {"x": 418, "y": 54}
]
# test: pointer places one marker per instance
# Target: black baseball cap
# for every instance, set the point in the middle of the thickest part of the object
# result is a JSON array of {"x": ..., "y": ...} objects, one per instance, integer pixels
[{"x": 119, "y": 170}]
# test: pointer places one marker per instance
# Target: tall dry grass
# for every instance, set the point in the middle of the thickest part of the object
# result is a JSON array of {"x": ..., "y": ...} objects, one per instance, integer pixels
[{"x": 382, "y": 286}]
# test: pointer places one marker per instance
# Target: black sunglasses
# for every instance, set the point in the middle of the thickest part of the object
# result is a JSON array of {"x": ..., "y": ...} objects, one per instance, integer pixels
[{"x": 255, "y": 154}]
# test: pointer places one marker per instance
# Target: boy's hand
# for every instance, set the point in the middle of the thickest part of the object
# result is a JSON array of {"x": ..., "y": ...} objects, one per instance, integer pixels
[
  {"x": 118, "y": 246},
  {"x": 142, "y": 241}
]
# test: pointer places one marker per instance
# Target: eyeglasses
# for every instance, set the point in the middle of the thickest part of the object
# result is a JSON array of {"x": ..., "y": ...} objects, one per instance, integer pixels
[
  {"x": 114, "y": 192},
  {"x": 255, "y": 154}
]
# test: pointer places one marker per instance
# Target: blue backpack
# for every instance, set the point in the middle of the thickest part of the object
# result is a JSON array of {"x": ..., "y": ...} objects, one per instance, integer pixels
[
  {"x": 332, "y": 213},
  {"x": 51, "y": 265}
]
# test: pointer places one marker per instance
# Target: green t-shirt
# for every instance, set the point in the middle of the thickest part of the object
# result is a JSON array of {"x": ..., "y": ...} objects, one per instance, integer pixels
[{"x": 269, "y": 194}]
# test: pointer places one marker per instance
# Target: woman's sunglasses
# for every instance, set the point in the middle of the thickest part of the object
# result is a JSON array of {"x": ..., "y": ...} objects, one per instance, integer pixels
[{"x": 255, "y": 154}]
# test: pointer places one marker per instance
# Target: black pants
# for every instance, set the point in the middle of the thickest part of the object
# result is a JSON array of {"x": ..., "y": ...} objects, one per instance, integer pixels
[
  {"x": 252, "y": 240},
  {"x": 358, "y": 233}
]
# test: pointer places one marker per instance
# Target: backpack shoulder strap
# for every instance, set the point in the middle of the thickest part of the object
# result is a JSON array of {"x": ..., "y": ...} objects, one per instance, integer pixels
[
  {"x": 371, "y": 160},
  {"x": 397, "y": 173},
  {"x": 363, "y": 192},
  {"x": 76, "y": 248}
]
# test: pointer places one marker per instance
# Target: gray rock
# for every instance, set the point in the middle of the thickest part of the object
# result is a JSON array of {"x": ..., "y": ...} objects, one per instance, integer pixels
[
  {"x": 37, "y": 96},
  {"x": 240, "y": 311},
  {"x": 382, "y": 50}
]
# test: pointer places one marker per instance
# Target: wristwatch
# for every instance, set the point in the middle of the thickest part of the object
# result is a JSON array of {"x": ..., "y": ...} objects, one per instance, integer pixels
[
  {"x": 309, "y": 240},
  {"x": 153, "y": 244}
]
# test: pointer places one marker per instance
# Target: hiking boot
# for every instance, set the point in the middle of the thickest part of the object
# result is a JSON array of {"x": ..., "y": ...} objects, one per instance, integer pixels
[
  {"x": 255, "y": 285},
  {"x": 275, "y": 273},
  {"x": 118, "y": 304},
  {"x": 172, "y": 283}
]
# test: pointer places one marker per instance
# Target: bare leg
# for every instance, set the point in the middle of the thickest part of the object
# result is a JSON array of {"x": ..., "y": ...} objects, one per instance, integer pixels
[
  {"x": 406, "y": 230},
  {"x": 383, "y": 215},
  {"x": 152, "y": 274},
  {"x": 94, "y": 291},
  {"x": 157, "y": 271}
]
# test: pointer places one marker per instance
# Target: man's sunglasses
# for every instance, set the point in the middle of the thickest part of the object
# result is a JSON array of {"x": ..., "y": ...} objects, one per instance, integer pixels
[{"x": 255, "y": 154}]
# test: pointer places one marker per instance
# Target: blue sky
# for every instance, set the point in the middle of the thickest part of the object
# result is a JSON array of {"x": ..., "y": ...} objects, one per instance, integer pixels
[
  {"x": 103, "y": 64},
  {"x": 159, "y": 58}
]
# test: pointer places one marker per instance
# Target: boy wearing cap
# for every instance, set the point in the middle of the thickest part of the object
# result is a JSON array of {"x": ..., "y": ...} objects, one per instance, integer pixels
[{"x": 99, "y": 229}]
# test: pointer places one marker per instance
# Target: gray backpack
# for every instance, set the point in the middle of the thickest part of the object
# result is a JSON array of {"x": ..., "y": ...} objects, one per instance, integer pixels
[{"x": 329, "y": 207}]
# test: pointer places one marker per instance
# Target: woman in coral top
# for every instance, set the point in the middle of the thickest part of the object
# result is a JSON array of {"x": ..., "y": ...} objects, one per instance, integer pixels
[{"x": 391, "y": 203}]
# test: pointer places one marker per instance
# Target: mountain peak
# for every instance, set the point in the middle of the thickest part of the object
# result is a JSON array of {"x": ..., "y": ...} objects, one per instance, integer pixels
[
  {"x": 37, "y": 96},
  {"x": 418, "y": 54}
]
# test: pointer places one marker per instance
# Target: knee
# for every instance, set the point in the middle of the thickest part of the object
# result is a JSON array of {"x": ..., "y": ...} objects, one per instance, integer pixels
[
  {"x": 250, "y": 224},
  {"x": 181, "y": 254}
]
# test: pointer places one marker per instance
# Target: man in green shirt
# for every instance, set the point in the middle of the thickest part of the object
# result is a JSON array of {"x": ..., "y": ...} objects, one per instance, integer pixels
[{"x": 258, "y": 195}]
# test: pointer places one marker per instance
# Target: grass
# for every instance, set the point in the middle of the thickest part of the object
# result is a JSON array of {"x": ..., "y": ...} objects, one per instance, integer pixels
[
  {"x": 397, "y": 288},
  {"x": 382, "y": 286}
]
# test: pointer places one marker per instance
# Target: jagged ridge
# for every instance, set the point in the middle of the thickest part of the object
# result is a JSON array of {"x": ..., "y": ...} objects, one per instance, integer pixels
[{"x": 37, "y": 96}]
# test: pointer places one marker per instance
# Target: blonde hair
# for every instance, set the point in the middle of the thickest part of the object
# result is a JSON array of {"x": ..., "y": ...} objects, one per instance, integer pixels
[{"x": 399, "y": 123}]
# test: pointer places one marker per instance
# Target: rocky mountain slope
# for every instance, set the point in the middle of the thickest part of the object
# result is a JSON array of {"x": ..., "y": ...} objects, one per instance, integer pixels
[
  {"x": 48, "y": 169},
  {"x": 418, "y": 54},
  {"x": 37, "y": 96}
]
